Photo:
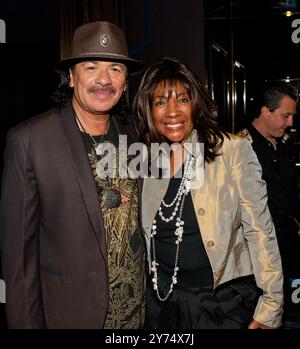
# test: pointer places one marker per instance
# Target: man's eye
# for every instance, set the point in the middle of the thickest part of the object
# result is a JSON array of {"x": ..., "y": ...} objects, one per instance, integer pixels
[
  {"x": 117, "y": 69},
  {"x": 90, "y": 67}
]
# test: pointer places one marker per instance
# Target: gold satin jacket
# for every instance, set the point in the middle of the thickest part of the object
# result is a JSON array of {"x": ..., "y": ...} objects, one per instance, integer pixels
[{"x": 234, "y": 221}]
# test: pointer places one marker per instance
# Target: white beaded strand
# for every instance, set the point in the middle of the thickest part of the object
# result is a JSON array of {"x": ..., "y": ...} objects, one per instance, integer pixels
[{"x": 183, "y": 190}]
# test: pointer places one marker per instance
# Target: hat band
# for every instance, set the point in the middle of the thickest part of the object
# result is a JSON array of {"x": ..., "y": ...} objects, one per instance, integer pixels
[{"x": 102, "y": 54}]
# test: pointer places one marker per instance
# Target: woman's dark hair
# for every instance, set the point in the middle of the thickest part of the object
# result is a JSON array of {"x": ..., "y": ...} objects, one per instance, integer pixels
[
  {"x": 204, "y": 109},
  {"x": 64, "y": 93}
]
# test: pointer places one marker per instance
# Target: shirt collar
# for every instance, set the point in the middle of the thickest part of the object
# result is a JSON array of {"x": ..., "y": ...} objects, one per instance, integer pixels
[{"x": 257, "y": 137}]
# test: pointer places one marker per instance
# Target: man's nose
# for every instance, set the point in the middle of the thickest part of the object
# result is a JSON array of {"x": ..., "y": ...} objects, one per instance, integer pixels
[
  {"x": 103, "y": 77},
  {"x": 290, "y": 120}
]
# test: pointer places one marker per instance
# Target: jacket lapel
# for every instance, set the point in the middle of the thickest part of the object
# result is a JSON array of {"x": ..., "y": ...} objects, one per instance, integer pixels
[
  {"x": 154, "y": 190},
  {"x": 86, "y": 181}
]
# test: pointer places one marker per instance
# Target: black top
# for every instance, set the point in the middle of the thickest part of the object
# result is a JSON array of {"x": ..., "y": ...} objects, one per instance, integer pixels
[
  {"x": 111, "y": 136},
  {"x": 280, "y": 174},
  {"x": 193, "y": 263}
]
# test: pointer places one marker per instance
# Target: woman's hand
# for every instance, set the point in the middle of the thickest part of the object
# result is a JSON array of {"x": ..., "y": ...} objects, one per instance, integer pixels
[{"x": 255, "y": 325}]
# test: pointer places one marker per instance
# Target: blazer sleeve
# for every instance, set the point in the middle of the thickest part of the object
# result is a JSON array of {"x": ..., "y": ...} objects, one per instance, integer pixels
[
  {"x": 19, "y": 226},
  {"x": 259, "y": 232}
]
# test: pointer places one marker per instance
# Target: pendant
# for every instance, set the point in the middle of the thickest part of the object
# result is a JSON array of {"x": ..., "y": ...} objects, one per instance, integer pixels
[{"x": 111, "y": 198}]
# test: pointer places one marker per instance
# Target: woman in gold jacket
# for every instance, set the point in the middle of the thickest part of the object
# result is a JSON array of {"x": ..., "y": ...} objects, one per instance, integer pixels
[{"x": 212, "y": 251}]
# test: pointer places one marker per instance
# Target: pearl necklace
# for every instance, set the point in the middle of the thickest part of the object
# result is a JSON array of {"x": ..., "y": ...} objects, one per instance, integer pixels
[{"x": 183, "y": 190}]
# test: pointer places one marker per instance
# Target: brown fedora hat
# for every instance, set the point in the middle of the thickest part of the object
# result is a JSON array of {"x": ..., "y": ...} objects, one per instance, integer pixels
[{"x": 99, "y": 41}]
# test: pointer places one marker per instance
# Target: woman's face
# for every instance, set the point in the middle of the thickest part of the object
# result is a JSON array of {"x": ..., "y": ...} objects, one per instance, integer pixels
[{"x": 172, "y": 111}]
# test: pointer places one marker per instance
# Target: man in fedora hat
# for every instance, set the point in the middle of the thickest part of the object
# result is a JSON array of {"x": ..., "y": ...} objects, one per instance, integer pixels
[{"x": 72, "y": 251}]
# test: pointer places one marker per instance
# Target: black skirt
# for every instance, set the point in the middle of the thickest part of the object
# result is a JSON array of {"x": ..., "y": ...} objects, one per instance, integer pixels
[{"x": 230, "y": 306}]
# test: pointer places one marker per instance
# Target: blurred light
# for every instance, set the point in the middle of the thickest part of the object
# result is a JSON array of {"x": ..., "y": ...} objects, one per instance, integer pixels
[
  {"x": 287, "y": 79},
  {"x": 288, "y": 13},
  {"x": 2, "y": 32}
]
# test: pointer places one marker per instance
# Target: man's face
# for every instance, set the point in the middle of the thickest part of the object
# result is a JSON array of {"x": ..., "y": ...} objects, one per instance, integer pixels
[
  {"x": 97, "y": 85},
  {"x": 281, "y": 118}
]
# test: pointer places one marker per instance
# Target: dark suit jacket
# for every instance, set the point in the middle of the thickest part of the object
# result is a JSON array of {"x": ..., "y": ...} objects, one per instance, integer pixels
[{"x": 52, "y": 239}]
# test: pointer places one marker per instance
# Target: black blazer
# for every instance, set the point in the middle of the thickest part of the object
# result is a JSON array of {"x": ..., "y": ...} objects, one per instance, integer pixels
[{"x": 52, "y": 238}]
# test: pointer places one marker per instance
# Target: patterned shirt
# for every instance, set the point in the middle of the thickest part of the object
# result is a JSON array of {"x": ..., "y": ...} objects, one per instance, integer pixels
[{"x": 125, "y": 246}]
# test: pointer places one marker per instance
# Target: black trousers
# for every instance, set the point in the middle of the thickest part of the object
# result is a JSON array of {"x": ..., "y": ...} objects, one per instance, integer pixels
[{"x": 230, "y": 306}]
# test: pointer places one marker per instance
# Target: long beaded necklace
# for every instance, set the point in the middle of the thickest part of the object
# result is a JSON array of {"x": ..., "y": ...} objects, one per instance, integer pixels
[{"x": 178, "y": 202}]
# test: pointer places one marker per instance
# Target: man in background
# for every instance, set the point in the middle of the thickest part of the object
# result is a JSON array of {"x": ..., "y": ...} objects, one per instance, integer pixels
[{"x": 276, "y": 108}]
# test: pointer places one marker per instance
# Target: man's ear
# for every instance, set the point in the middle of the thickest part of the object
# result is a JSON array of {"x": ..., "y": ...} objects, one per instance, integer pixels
[
  {"x": 264, "y": 111},
  {"x": 71, "y": 83}
]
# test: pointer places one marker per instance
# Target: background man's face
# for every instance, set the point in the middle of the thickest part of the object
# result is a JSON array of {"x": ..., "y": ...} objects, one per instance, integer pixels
[{"x": 281, "y": 118}]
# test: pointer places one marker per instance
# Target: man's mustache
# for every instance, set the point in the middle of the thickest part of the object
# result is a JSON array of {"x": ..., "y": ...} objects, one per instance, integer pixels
[{"x": 99, "y": 89}]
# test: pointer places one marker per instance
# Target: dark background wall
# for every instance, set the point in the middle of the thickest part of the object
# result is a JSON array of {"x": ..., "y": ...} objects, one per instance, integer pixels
[
  {"x": 26, "y": 60},
  {"x": 157, "y": 28},
  {"x": 163, "y": 28}
]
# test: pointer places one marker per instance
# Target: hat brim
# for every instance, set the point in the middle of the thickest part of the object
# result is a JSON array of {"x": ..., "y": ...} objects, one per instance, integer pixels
[{"x": 132, "y": 65}]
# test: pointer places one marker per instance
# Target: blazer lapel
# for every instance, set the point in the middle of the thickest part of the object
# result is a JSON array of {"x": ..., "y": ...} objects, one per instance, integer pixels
[
  {"x": 154, "y": 190},
  {"x": 86, "y": 181}
]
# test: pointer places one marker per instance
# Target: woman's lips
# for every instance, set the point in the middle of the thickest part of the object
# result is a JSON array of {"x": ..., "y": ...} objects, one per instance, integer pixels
[{"x": 173, "y": 126}]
